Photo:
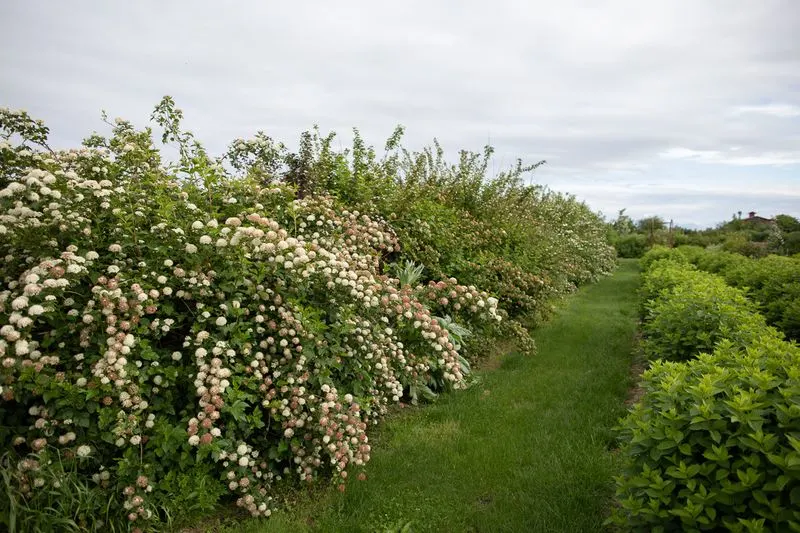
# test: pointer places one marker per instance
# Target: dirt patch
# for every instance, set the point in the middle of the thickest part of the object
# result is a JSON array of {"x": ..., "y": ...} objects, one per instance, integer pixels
[
  {"x": 485, "y": 500},
  {"x": 639, "y": 365},
  {"x": 494, "y": 360}
]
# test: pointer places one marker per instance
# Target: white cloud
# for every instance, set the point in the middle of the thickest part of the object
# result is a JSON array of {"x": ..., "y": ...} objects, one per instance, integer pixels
[
  {"x": 607, "y": 90},
  {"x": 776, "y": 110},
  {"x": 730, "y": 158}
]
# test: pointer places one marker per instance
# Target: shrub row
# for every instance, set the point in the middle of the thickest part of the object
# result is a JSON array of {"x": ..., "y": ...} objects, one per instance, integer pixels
[
  {"x": 175, "y": 335},
  {"x": 714, "y": 443},
  {"x": 773, "y": 282},
  {"x": 686, "y": 311}
]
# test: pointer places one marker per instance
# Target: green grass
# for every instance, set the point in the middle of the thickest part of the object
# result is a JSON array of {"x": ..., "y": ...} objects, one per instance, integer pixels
[{"x": 527, "y": 449}]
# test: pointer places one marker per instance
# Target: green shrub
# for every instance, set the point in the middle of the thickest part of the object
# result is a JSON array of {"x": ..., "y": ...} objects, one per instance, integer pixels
[
  {"x": 791, "y": 242},
  {"x": 715, "y": 443},
  {"x": 691, "y": 252},
  {"x": 694, "y": 315},
  {"x": 720, "y": 262},
  {"x": 631, "y": 246},
  {"x": 657, "y": 253},
  {"x": 177, "y": 334},
  {"x": 662, "y": 275},
  {"x": 773, "y": 282}
]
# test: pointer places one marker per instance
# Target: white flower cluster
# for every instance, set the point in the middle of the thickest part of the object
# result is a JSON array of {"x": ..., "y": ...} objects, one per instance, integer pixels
[{"x": 125, "y": 284}]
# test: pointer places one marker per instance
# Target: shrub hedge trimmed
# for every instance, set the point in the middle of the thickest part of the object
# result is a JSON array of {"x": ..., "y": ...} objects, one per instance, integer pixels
[
  {"x": 773, "y": 282},
  {"x": 714, "y": 443},
  {"x": 687, "y": 312}
]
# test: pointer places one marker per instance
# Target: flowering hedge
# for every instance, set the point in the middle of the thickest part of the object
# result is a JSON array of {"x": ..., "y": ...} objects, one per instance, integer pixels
[{"x": 174, "y": 332}]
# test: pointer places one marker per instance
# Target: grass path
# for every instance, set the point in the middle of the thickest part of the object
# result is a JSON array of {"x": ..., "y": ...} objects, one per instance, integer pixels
[{"x": 524, "y": 450}]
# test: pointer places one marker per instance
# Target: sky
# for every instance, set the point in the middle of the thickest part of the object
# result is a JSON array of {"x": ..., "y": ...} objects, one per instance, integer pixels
[{"x": 686, "y": 109}]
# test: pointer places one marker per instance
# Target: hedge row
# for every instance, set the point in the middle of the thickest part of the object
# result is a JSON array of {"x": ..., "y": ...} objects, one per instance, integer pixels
[
  {"x": 773, "y": 282},
  {"x": 179, "y": 335},
  {"x": 714, "y": 443},
  {"x": 686, "y": 311}
]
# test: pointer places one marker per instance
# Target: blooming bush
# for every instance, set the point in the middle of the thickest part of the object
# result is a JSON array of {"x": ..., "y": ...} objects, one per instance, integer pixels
[{"x": 174, "y": 334}]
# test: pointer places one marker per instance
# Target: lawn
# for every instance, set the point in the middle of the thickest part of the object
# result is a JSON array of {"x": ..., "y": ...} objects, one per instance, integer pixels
[{"x": 526, "y": 449}]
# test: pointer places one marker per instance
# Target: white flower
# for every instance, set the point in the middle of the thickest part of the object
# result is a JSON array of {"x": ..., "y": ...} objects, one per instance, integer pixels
[
  {"x": 191, "y": 248},
  {"x": 194, "y": 440},
  {"x": 242, "y": 449},
  {"x": 161, "y": 279},
  {"x": 136, "y": 440},
  {"x": 115, "y": 248},
  {"x": 21, "y": 302},
  {"x": 197, "y": 225},
  {"x": 221, "y": 321},
  {"x": 36, "y": 310},
  {"x": 221, "y": 243},
  {"x": 84, "y": 450},
  {"x": 176, "y": 356},
  {"x": 92, "y": 255},
  {"x": 243, "y": 461},
  {"x": 205, "y": 239}
]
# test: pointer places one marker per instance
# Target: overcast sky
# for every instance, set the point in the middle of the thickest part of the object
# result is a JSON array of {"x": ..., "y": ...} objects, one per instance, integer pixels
[{"x": 685, "y": 109}]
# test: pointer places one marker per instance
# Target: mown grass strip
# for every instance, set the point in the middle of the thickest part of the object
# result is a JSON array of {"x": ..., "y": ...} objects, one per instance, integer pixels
[{"x": 525, "y": 450}]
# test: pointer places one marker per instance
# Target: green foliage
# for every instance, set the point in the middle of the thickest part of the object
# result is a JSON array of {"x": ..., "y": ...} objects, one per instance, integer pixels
[
  {"x": 787, "y": 223},
  {"x": 662, "y": 276},
  {"x": 650, "y": 225},
  {"x": 631, "y": 246},
  {"x": 715, "y": 443},
  {"x": 409, "y": 273},
  {"x": 182, "y": 333},
  {"x": 791, "y": 242},
  {"x": 696, "y": 313},
  {"x": 773, "y": 282},
  {"x": 623, "y": 225},
  {"x": 657, "y": 253}
]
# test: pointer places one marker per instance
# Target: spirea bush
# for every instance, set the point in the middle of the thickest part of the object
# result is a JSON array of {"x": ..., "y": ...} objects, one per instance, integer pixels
[
  {"x": 172, "y": 333},
  {"x": 714, "y": 444}
]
